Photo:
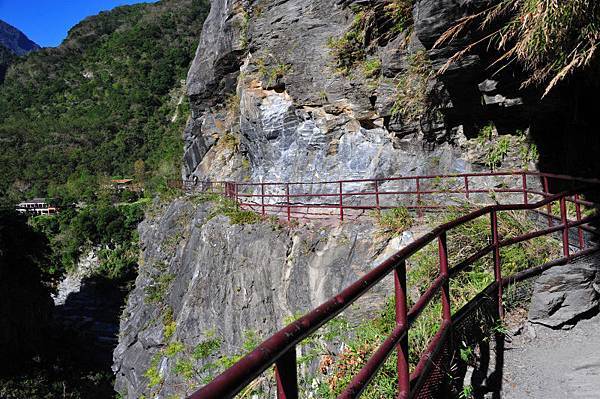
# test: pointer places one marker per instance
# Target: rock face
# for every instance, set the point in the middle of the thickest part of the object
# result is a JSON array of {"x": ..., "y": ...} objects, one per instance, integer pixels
[
  {"x": 563, "y": 294},
  {"x": 266, "y": 76},
  {"x": 211, "y": 278},
  {"x": 269, "y": 103}
]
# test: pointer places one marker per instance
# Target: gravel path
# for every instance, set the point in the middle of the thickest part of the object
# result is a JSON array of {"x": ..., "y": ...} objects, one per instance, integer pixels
[{"x": 554, "y": 364}]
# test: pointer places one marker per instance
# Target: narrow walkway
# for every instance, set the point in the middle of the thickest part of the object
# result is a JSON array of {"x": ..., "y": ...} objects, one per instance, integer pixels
[{"x": 543, "y": 363}]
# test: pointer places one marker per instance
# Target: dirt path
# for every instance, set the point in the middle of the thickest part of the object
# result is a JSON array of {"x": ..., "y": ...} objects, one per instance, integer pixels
[{"x": 554, "y": 364}]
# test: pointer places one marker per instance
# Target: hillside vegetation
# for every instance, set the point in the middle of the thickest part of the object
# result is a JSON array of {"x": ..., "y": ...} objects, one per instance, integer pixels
[{"x": 110, "y": 95}]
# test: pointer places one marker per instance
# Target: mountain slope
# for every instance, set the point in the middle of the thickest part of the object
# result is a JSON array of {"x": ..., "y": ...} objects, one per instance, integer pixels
[
  {"x": 15, "y": 40},
  {"x": 106, "y": 97}
]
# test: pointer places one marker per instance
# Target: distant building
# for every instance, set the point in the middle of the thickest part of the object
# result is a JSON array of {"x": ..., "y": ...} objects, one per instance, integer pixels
[
  {"x": 36, "y": 206},
  {"x": 124, "y": 184}
]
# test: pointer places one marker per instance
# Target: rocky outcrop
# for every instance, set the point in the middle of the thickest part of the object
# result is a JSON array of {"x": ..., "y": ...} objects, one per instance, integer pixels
[
  {"x": 71, "y": 283},
  {"x": 202, "y": 277},
  {"x": 265, "y": 74},
  {"x": 269, "y": 103},
  {"x": 563, "y": 294}
]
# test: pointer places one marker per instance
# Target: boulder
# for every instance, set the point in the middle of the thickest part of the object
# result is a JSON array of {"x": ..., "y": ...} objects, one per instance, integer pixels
[{"x": 564, "y": 294}]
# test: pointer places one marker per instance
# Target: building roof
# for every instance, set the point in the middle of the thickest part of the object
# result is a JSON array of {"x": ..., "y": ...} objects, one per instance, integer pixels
[
  {"x": 33, "y": 200},
  {"x": 121, "y": 181}
]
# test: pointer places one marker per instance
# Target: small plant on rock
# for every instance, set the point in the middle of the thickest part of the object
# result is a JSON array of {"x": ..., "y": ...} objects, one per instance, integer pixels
[
  {"x": 372, "y": 67},
  {"x": 395, "y": 221}
]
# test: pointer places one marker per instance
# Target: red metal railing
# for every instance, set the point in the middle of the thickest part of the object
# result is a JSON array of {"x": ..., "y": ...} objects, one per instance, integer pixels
[
  {"x": 312, "y": 200},
  {"x": 280, "y": 348}
]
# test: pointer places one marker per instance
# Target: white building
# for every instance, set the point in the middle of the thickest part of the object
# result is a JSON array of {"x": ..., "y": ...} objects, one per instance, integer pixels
[{"x": 36, "y": 206}]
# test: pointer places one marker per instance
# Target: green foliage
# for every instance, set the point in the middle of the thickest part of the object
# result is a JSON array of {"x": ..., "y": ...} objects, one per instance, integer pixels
[
  {"x": 486, "y": 133},
  {"x": 208, "y": 347},
  {"x": 498, "y": 147},
  {"x": 153, "y": 374},
  {"x": 99, "y": 102},
  {"x": 272, "y": 72},
  {"x": 322, "y": 96},
  {"x": 467, "y": 392},
  {"x": 232, "y": 104},
  {"x": 350, "y": 48},
  {"x": 227, "y": 207},
  {"x": 497, "y": 151},
  {"x": 528, "y": 152},
  {"x": 244, "y": 39},
  {"x": 174, "y": 348},
  {"x": 371, "y": 67},
  {"x": 6, "y": 58},
  {"x": 113, "y": 227},
  {"x": 230, "y": 141},
  {"x": 155, "y": 292},
  {"x": 184, "y": 368},
  {"x": 394, "y": 221}
]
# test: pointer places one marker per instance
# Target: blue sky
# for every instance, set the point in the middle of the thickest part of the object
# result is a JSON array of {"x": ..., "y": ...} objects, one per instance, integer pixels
[{"x": 47, "y": 22}]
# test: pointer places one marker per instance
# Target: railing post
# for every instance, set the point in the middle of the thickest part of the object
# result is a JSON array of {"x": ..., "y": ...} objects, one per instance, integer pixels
[
  {"x": 401, "y": 319},
  {"x": 287, "y": 200},
  {"x": 565, "y": 223},
  {"x": 497, "y": 260},
  {"x": 443, "y": 255},
  {"x": 235, "y": 193},
  {"x": 524, "y": 179},
  {"x": 286, "y": 375},
  {"x": 579, "y": 229},
  {"x": 262, "y": 197},
  {"x": 377, "y": 194},
  {"x": 549, "y": 206},
  {"x": 467, "y": 186},
  {"x": 419, "y": 210},
  {"x": 341, "y": 202}
]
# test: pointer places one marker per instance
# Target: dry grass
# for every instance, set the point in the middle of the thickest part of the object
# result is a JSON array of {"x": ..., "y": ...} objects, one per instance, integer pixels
[{"x": 551, "y": 39}]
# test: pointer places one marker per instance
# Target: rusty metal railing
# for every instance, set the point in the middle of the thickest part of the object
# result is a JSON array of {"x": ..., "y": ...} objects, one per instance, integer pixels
[
  {"x": 280, "y": 348},
  {"x": 339, "y": 198}
]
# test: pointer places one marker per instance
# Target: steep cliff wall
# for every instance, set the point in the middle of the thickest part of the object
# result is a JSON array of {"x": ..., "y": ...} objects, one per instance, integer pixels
[
  {"x": 267, "y": 78},
  {"x": 203, "y": 277},
  {"x": 270, "y": 102}
]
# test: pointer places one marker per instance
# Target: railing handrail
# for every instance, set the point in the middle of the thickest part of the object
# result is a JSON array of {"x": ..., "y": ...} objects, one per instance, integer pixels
[
  {"x": 413, "y": 177},
  {"x": 234, "y": 379},
  {"x": 337, "y": 198}
]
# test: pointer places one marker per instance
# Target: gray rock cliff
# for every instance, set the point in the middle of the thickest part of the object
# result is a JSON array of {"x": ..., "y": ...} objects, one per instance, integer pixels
[
  {"x": 269, "y": 103},
  {"x": 265, "y": 73},
  {"x": 206, "y": 277}
]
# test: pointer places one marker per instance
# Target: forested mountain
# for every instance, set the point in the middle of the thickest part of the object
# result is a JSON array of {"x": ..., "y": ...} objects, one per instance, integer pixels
[{"x": 108, "y": 96}]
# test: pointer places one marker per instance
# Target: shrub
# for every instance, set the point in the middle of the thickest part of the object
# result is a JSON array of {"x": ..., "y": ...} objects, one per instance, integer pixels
[
  {"x": 372, "y": 67},
  {"x": 423, "y": 268},
  {"x": 394, "y": 221}
]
